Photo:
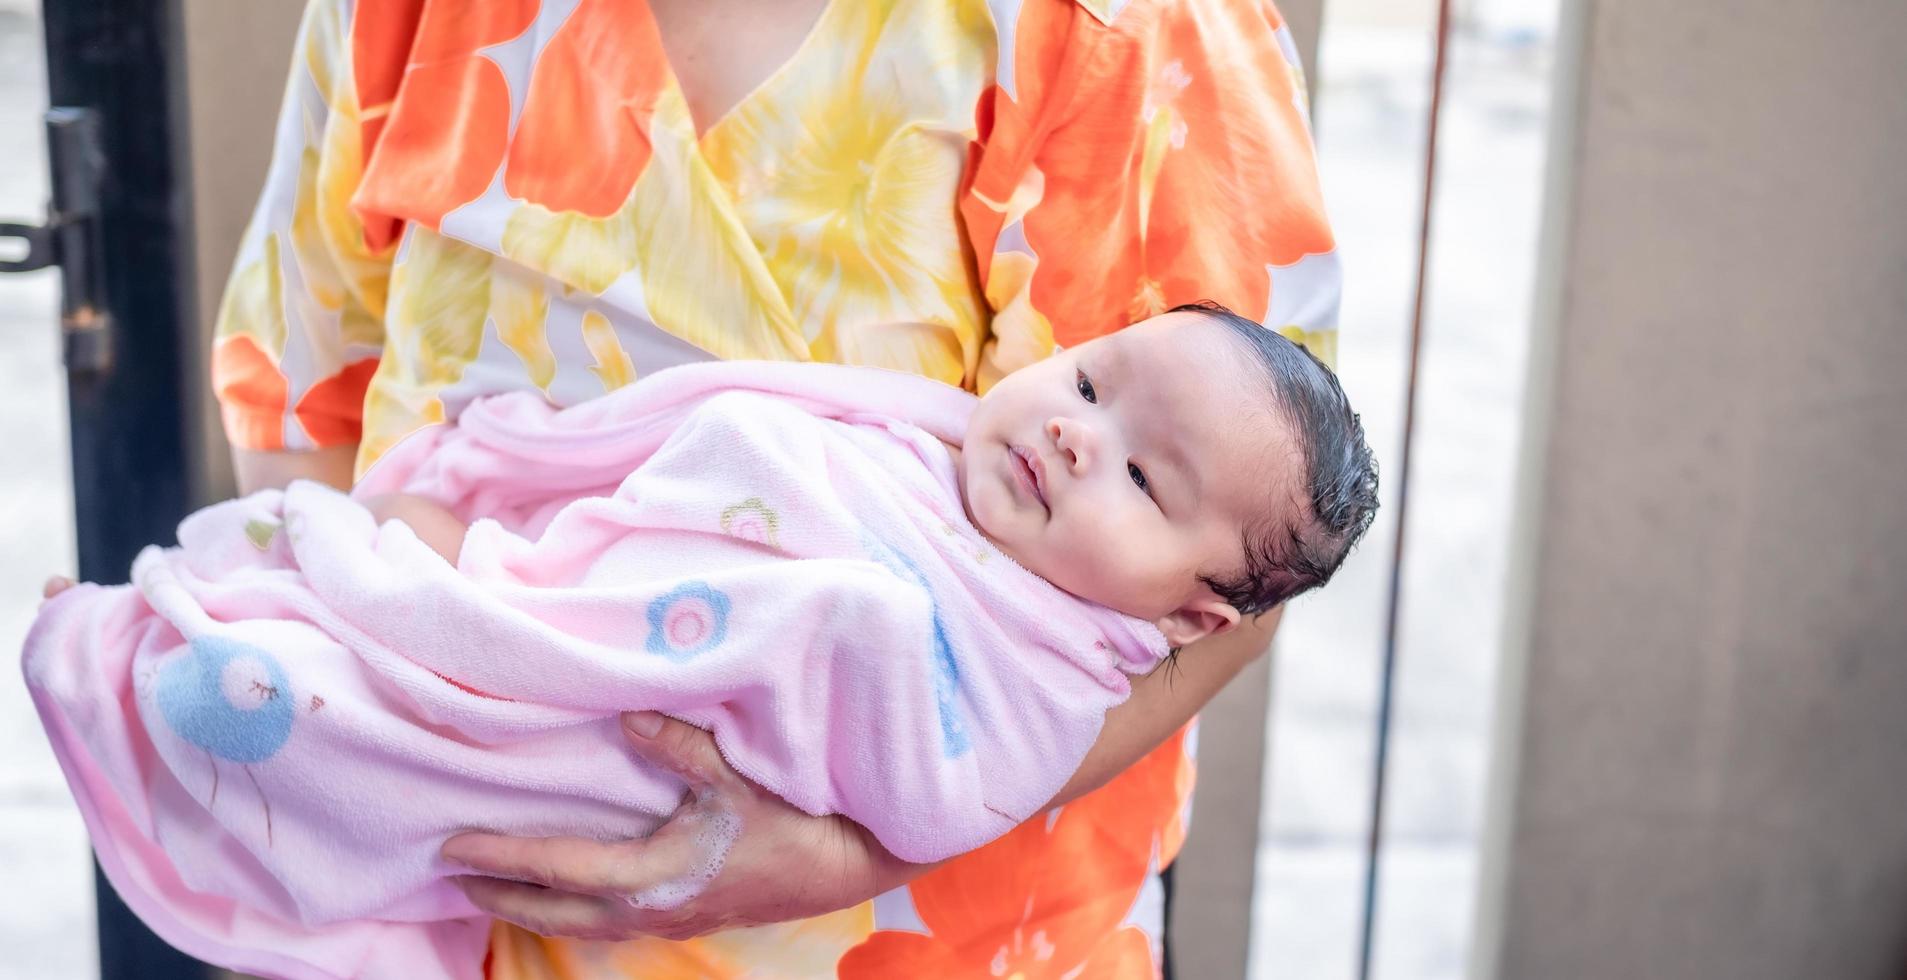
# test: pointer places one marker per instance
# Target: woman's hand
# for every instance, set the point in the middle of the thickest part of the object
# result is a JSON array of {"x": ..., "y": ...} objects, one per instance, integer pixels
[
  {"x": 736, "y": 855},
  {"x": 732, "y": 855}
]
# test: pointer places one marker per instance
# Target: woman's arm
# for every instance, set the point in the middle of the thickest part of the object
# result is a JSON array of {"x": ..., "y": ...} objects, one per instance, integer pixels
[
  {"x": 260, "y": 469},
  {"x": 1165, "y": 700},
  {"x": 300, "y": 416}
]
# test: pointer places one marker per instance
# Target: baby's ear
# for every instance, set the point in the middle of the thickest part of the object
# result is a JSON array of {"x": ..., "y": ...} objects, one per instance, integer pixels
[{"x": 1206, "y": 615}]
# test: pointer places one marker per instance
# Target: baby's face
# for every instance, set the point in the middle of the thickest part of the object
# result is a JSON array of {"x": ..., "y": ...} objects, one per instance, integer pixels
[{"x": 1125, "y": 468}]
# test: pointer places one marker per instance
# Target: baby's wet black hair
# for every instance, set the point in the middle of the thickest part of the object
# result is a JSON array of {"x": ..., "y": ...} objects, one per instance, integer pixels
[{"x": 1284, "y": 559}]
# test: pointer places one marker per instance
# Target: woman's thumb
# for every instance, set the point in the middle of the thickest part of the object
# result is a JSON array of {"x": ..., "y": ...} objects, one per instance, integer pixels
[{"x": 677, "y": 746}]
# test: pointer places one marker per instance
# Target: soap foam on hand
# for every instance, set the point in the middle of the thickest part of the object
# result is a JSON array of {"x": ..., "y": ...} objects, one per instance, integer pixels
[{"x": 713, "y": 827}]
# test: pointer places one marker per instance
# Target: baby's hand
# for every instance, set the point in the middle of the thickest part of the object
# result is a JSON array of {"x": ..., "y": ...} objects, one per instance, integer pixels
[
  {"x": 434, "y": 525},
  {"x": 54, "y": 586}
]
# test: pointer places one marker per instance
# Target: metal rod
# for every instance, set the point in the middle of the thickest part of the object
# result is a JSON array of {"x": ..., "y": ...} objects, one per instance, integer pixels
[{"x": 1389, "y": 669}]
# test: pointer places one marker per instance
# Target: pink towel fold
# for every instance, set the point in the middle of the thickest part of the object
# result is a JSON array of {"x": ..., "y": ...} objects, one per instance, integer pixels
[{"x": 274, "y": 727}]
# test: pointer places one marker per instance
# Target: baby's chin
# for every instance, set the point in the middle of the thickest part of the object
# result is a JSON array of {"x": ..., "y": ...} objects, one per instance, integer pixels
[
  {"x": 986, "y": 517},
  {"x": 979, "y": 518}
]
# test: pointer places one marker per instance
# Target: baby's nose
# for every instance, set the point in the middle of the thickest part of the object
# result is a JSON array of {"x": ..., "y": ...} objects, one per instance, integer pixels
[{"x": 1074, "y": 440}]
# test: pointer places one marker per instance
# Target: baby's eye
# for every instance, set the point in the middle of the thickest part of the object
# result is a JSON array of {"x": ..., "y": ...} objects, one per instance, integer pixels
[
  {"x": 1138, "y": 477},
  {"x": 1086, "y": 390}
]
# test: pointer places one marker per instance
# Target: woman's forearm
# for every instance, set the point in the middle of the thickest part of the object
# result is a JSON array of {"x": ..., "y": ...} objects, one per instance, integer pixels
[
  {"x": 266, "y": 470},
  {"x": 1166, "y": 699}
]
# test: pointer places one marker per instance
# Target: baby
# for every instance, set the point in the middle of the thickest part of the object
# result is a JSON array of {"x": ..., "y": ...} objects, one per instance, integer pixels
[
  {"x": 1147, "y": 471},
  {"x": 885, "y": 598}
]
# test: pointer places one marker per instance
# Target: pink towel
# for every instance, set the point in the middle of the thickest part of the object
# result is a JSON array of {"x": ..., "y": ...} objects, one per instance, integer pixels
[{"x": 274, "y": 727}]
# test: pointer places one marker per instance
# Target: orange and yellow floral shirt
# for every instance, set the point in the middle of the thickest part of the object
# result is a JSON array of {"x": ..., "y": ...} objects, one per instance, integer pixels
[{"x": 473, "y": 197}]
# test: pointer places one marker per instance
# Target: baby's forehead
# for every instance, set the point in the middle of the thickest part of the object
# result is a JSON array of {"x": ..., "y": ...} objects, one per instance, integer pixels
[
  {"x": 1218, "y": 405},
  {"x": 1189, "y": 350},
  {"x": 1254, "y": 467},
  {"x": 1247, "y": 449},
  {"x": 1206, "y": 379}
]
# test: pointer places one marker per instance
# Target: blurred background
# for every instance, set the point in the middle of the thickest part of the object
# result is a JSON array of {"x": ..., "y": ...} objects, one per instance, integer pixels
[{"x": 1648, "y": 703}]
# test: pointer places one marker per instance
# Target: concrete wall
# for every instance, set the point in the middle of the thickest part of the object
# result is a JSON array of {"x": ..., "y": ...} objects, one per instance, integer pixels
[{"x": 1705, "y": 712}]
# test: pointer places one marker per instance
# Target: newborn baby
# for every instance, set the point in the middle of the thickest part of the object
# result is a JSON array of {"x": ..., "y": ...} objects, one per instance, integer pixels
[
  {"x": 885, "y": 598},
  {"x": 1142, "y": 471}
]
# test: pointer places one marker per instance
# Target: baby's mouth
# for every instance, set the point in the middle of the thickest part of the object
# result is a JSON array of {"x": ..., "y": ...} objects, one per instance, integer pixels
[{"x": 1030, "y": 470}]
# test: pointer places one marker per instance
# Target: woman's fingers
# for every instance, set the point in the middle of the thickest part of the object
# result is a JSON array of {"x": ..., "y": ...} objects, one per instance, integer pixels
[
  {"x": 657, "y": 873},
  {"x": 680, "y": 748},
  {"x": 670, "y": 884},
  {"x": 567, "y": 863},
  {"x": 54, "y": 586},
  {"x": 683, "y": 857},
  {"x": 543, "y": 911},
  {"x": 564, "y": 886}
]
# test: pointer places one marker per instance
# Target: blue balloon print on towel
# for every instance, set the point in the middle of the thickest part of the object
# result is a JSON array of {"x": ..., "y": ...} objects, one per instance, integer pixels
[
  {"x": 230, "y": 699},
  {"x": 691, "y": 619},
  {"x": 953, "y": 734}
]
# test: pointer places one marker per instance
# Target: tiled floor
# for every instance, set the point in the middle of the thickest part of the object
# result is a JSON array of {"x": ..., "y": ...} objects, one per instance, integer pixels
[{"x": 1310, "y": 859}]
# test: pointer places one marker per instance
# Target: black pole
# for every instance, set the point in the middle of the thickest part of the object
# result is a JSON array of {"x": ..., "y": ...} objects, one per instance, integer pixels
[
  {"x": 122, "y": 61},
  {"x": 119, "y": 59},
  {"x": 1388, "y": 674}
]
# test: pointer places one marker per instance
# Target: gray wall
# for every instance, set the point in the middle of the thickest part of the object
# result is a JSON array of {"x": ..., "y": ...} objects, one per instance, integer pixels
[{"x": 1704, "y": 729}]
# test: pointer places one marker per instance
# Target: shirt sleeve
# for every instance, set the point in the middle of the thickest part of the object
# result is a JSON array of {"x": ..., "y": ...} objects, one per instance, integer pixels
[
  {"x": 300, "y": 329},
  {"x": 1127, "y": 164}
]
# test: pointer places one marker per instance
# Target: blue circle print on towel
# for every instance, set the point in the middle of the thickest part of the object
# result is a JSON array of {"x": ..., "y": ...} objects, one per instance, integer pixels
[
  {"x": 691, "y": 619},
  {"x": 229, "y": 698}
]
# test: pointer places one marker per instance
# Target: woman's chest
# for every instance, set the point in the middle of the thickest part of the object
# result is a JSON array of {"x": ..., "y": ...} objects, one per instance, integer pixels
[{"x": 815, "y": 219}]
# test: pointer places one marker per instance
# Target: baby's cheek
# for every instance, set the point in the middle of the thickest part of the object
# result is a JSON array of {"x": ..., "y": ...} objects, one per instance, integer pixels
[
  {"x": 1094, "y": 561},
  {"x": 1138, "y": 570}
]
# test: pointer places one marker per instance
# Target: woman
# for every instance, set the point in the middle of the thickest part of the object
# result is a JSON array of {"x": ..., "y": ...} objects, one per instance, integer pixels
[{"x": 566, "y": 194}]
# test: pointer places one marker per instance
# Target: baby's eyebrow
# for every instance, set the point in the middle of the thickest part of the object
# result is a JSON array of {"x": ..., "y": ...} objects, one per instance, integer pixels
[
  {"x": 1175, "y": 457},
  {"x": 1161, "y": 440},
  {"x": 1116, "y": 362},
  {"x": 1160, "y": 435}
]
